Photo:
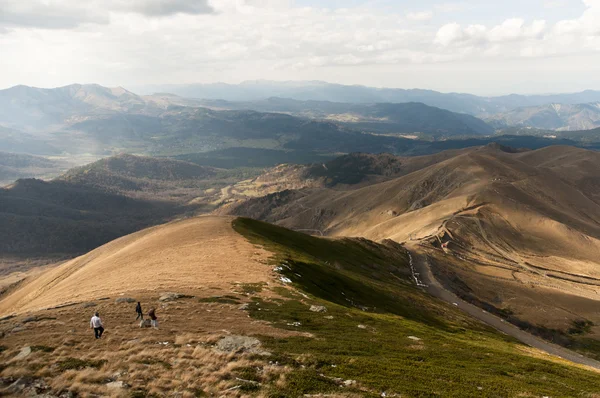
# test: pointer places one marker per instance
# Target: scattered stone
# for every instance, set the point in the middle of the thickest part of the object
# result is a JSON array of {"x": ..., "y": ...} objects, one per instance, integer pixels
[
  {"x": 88, "y": 305},
  {"x": 480, "y": 388},
  {"x": 414, "y": 338},
  {"x": 318, "y": 308},
  {"x": 30, "y": 319},
  {"x": 17, "y": 329},
  {"x": 116, "y": 384},
  {"x": 129, "y": 300},
  {"x": 169, "y": 296},
  {"x": 238, "y": 344},
  {"x": 146, "y": 323},
  {"x": 329, "y": 317},
  {"x": 25, "y": 351},
  {"x": 349, "y": 383},
  {"x": 362, "y": 327},
  {"x": 392, "y": 213},
  {"x": 244, "y": 307}
]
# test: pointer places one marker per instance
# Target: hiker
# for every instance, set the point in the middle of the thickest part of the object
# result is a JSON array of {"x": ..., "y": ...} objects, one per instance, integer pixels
[
  {"x": 153, "y": 318},
  {"x": 138, "y": 310},
  {"x": 96, "y": 324}
]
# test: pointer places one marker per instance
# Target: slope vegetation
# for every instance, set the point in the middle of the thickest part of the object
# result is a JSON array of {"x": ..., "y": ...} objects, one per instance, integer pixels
[
  {"x": 522, "y": 229},
  {"x": 298, "y": 292}
]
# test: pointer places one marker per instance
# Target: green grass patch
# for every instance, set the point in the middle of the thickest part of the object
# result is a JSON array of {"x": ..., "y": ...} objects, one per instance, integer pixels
[
  {"x": 75, "y": 363},
  {"x": 251, "y": 288},
  {"x": 383, "y": 332}
]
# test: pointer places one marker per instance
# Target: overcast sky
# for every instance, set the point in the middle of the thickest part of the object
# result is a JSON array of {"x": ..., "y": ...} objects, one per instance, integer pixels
[{"x": 477, "y": 46}]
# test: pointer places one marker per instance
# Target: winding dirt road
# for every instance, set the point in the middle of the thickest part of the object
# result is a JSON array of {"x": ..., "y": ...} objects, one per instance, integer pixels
[{"x": 428, "y": 282}]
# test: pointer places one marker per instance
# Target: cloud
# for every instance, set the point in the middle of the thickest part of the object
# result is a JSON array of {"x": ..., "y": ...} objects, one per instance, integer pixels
[
  {"x": 70, "y": 14},
  {"x": 420, "y": 16},
  {"x": 157, "y": 8},
  {"x": 135, "y": 41},
  {"x": 513, "y": 29},
  {"x": 59, "y": 14}
]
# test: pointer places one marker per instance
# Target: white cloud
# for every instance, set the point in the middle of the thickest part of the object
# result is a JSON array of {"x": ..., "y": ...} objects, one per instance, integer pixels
[
  {"x": 69, "y": 14},
  {"x": 160, "y": 41},
  {"x": 420, "y": 16}
]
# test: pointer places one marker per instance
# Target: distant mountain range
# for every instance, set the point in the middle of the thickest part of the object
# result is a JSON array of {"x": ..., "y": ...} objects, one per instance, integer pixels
[
  {"x": 99, "y": 120},
  {"x": 398, "y": 118},
  {"x": 560, "y": 117},
  {"x": 322, "y": 91}
]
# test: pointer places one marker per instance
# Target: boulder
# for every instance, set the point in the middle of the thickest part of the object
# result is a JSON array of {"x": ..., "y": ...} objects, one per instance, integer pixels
[
  {"x": 116, "y": 385},
  {"x": 171, "y": 296},
  {"x": 318, "y": 308},
  {"x": 238, "y": 344},
  {"x": 129, "y": 300},
  {"x": 146, "y": 323},
  {"x": 24, "y": 353}
]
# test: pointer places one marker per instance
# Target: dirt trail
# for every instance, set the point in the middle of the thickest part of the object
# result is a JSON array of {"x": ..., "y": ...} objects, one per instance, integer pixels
[{"x": 434, "y": 288}]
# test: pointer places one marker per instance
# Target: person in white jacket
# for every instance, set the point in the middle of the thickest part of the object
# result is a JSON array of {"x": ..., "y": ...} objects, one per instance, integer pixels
[{"x": 96, "y": 324}]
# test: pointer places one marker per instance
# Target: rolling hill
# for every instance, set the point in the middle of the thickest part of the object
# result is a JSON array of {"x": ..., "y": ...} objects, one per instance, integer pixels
[
  {"x": 560, "y": 117},
  {"x": 257, "y": 309},
  {"x": 385, "y": 118},
  {"x": 14, "y": 166},
  {"x": 522, "y": 229}
]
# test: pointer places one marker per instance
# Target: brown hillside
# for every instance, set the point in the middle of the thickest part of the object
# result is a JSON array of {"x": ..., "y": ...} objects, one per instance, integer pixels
[
  {"x": 518, "y": 223},
  {"x": 183, "y": 255}
]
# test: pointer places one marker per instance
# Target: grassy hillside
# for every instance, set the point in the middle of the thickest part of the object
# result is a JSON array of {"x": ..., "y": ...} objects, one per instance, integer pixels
[
  {"x": 522, "y": 228},
  {"x": 376, "y": 334},
  {"x": 382, "y": 332}
]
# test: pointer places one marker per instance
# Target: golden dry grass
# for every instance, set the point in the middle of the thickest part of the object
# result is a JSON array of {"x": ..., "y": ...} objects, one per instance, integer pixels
[{"x": 198, "y": 253}]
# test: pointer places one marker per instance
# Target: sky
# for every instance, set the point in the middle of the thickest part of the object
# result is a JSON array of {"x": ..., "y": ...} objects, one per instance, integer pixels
[{"x": 475, "y": 46}]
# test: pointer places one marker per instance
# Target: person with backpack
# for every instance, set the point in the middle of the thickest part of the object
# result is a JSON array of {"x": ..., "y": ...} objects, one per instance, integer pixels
[
  {"x": 153, "y": 318},
  {"x": 96, "y": 324},
  {"x": 138, "y": 310}
]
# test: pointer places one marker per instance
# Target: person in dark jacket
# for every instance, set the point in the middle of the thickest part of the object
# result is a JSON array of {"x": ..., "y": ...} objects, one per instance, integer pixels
[
  {"x": 153, "y": 318},
  {"x": 138, "y": 310}
]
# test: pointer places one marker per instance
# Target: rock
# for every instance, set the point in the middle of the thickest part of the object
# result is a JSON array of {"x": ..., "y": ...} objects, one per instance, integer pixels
[
  {"x": 414, "y": 338},
  {"x": 329, "y": 317},
  {"x": 392, "y": 213},
  {"x": 19, "y": 385},
  {"x": 17, "y": 329},
  {"x": 244, "y": 307},
  {"x": 318, "y": 308},
  {"x": 146, "y": 323},
  {"x": 348, "y": 383},
  {"x": 116, "y": 385},
  {"x": 362, "y": 327},
  {"x": 238, "y": 344},
  {"x": 88, "y": 305},
  {"x": 129, "y": 300},
  {"x": 25, "y": 351},
  {"x": 30, "y": 319},
  {"x": 171, "y": 296}
]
